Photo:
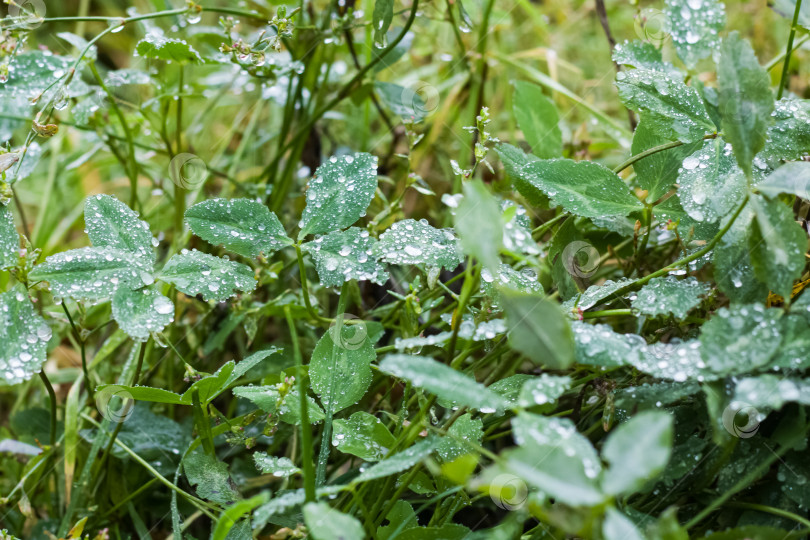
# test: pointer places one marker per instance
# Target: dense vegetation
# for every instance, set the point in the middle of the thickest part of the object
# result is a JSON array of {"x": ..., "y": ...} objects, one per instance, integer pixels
[{"x": 422, "y": 270}]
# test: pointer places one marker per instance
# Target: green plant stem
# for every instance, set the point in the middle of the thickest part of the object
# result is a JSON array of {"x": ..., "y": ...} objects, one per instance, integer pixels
[
  {"x": 608, "y": 313},
  {"x": 179, "y": 191},
  {"x": 680, "y": 262},
  {"x": 779, "y": 57},
  {"x": 314, "y": 315},
  {"x": 203, "y": 423},
  {"x": 78, "y": 336},
  {"x": 470, "y": 276},
  {"x": 306, "y": 430},
  {"x": 654, "y": 150},
  {"x": 789, "y": 50},
  {"x": 326, "y": 436},
  {"x": 771, "y": 510},
  {"x": 52, "y": 397},
  {"x": 279, "y": 194}
]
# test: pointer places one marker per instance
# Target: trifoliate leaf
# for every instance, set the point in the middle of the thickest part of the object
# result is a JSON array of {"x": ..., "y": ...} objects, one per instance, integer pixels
[
  {"x": 740, "y": 339},
  {"x": 694, "y": 26},
  {"x": 111, "y": 223},
  {"x": 777, "y": 245},
  {"x": 362, "y": 435},
  {"x": 9, "y": 239},
  {"x": 543, "y": 390},
  {"x": 745, "y": 99},
  {"x": 341, "y": 256},
  {"x": 92, "y": 273},
  {"x": 637, "y": 451},
  {"x": 340, "y": 369},
  {"x": 669, "y": 295},
  {"x": 24, "y": 335},
  {"x": 657, "y": 172},
  {"x": 415, "y": 242},
  {"x": 339, "y": 193},
  {"x": 674, "y": 111},
  {"x": 478, "y": 222},
  {"x": 537, "y": 117},
  {"x": 243, "y": 226},
  {"x": 442, "y": 380},
  {"x": 280, "y": 467},
  {"x": 140, "y": 312},
  {"x": 711, "y": 183},
  {"x": 793, "y": 178},
  {"x": 194, "y": 272},
  {"x": 538, "y": 328},
  {"x": 584, "y": 188},
  {"x": 326, "y": 523},
  {"x": 157, "y": 47}
]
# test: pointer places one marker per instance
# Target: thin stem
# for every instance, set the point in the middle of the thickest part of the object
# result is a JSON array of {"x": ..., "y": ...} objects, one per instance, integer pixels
[
  {"x": 771, "y": 510},
  {"x": 779, "y": 57},
  {"x": 306, "y": 430},
  {"x": 202, "y": 422},
  {"x": 78, "y": 336},
  {"x": 467, "y": 287},
  {"x": 680, "y": 262},
  {"x": 305, "y": 287},
  {"x": 655, "y": 150},
  {"x": 179, "y": 191},
  {"x": 607, "y": 313},
  {"x": 789, "y": 50},
  {"x": 52, "y": 396}
]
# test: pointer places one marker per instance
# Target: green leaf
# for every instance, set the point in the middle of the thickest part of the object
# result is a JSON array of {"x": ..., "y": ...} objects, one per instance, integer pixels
[
  {"x": 269, "y": 399},
  {"x": 479, "y": 224},
  {"x": 243, "y": 226},
  {"x": 9, "y": 240},
  {"x": 777, "y": 245},
  {"x": 462, "y": 438},
  {"x": 740, "y": 339},
  {"x": 599, "y": 345},
  {"x": 539, "y": 329},
  {"x": 415, "y": 242},
  {"x": 509, "y": 388},
  {"x": 194, "y": 272},
  {"x": 770, "y": 392},
  {"x": 543, "y": 390},
  {"x": 733, "y": 269},
  {"x": 326, "y": 523},
  {"x": 711, "y": 183},
  {"x": 642, "y": 55},
  {"x": 92, "y": 273},
  {"x": 670, "y": 295},
  {"x": 793, "y": 178},
  {"x": 789, "y": 133},
  {"x": 382, "y": 16},
  {"x": 694, "y": 26},
  {"x": 537, "y": 117},
  {"x": 405, "y": 102},
  {"x": 786, "y": 8},
  {"x": 401, "y": 461},
  {"x": 675, "y": 111},
  {"x": 24, "y": 335},
  {"x": 280, "y": 467},
  {"x": 339, "y": 193},
  {"x": 157, "y": 47},
  {"x": 341, "y": 256},
  {"x": 442, "y": 380},
  {"x": 514, "y": 160},
  {"x": 637, "y": 451},
  {"x": 111, "y": 223},
  {"x": 745, "y": 100},
  {"x": 617, "y": 526},
  {"x": 211, "y": 478},
  {"x": 584, "y": 188},
  {"x": 141, "y": 393},
  {"x": 657, "y": 172},
  {"x": 362, "y": 435},
  {"x": 141, "y": 312},
  {"x": 340, "y": 369},
  {"x": 749, "y": 532},
  {"x": 556, "y": 459}
]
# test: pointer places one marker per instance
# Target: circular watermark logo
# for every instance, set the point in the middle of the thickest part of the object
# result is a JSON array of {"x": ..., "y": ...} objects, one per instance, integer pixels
[
  {"x": 580, "y": 259},
  {"x": 420, "y": 98},
  {"x": 115, "y": 403},
  {"x": 741, "y": 419},
  {"x": 187, "y": 170},
  {"x": 352, "y": 333},
  {"x": 651, "y": 26},
  {"x": 28, "y": 12},
  {"x": 508, "y": 492}
]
